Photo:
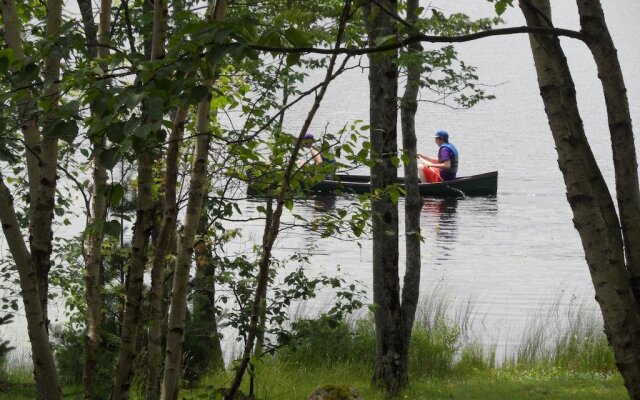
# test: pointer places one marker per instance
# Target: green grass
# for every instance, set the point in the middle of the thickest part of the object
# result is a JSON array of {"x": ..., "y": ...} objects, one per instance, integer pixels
[
  {"x": 273, "y": 380},
  {"x": 279, "y": 382},
  {"x": 570, "y": 360}
]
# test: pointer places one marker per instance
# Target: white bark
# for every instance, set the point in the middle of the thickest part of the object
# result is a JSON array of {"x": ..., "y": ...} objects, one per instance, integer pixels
[
  {"x": 186, "y": 239},
  {"x": 593, "y": 211},
  {"x": 95, "y": 235},
  {"x": 46, "y": 375}
]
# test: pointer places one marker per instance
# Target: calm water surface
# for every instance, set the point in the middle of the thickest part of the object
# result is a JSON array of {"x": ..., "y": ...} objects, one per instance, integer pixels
[{"x": 511, "y": 256}]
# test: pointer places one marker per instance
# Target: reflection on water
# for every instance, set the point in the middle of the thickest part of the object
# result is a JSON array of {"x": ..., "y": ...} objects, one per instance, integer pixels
[
  {"x": 440, "y": 225},
  {"x": 323, "y": 203},
  {"x": 443, "y": 211}
]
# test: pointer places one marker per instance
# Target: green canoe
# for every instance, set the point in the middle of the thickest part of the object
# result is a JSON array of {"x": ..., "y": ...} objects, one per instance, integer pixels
[{"x": 475, "y": 185}]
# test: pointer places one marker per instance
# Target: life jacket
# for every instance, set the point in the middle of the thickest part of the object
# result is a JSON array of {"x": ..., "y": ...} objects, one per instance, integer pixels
[
  {"x": 453, "y": 153},
  {"x": 326, "y": 159}
]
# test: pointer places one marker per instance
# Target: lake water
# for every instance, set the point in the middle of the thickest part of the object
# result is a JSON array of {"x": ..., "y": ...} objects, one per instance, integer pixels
[{"x": 513, "y": 256}]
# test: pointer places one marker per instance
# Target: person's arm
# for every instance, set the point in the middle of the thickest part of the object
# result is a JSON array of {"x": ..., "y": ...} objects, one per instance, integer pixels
[
  {"x": 443, "y": 165},
  {"x": 446, "y": 160},
  {"x": 427, "y": 158},
  {"x": 315, "y": 154}
]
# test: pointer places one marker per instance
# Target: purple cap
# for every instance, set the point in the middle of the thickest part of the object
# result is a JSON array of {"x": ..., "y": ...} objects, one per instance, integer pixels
[{"x": 308, "y": 136}]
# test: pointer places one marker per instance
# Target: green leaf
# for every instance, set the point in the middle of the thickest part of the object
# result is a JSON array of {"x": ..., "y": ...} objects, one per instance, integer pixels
[
  {"x": 197, "y": 94},
  {"x": 101, "y": 105},
  {"x": 501, "y": 5},
  {"x": 385, "y": 40},
  {"x": 115, "y": 132},
  {"x": 112, "y": 228},
  {"x": 297, "y": 37},
  {"x": 109, "y": 157},
  {"x": 29, "y": 71},
  {"x": 65, "y": 130},
  {"x": 293, "y": 59},
  {"x": 270, "y": 38},
  {"x": 6, "y": 58},
  {"x": 117, "y": 193},
  {"x": 405, "y": 158},
  {"x": 4, "y": 64},
  {"x": 133, "y": 100},
  {"x": 289, "y": 204},
  {"x": 6, "y": 155}
]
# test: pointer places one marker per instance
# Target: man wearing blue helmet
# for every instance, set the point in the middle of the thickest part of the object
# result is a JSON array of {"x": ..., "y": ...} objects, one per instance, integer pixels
[{"x": 445, "y": 167}]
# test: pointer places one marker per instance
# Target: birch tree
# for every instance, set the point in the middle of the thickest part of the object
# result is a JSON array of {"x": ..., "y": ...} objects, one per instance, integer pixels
[
  {"x": 186, "y": 237},
  {"x": 141, "y": 232},
  {"x": 413, "y": 199},
  {"x": 98, "y": 46},
  {"x": 34, "y": 261},
  {"x": 594, "y": 214},
  {"x": 163, "y": 244},
  {"x": 598, "y": 39}
]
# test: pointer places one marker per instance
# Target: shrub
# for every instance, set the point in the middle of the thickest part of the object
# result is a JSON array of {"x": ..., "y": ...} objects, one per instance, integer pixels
[{"x": 5, "y": 348}]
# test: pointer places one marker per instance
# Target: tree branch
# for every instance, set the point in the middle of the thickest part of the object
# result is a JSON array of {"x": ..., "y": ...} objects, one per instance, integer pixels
[{"x": 425, "y": 38}]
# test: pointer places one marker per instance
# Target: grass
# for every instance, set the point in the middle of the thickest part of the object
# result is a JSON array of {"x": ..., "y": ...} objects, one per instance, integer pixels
[
  {"x": 573, "y": 362},
  {"x": 278, "y": 382}
]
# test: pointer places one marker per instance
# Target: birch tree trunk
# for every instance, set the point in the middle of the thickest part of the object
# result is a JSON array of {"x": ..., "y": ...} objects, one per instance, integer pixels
[
  {"x": 413, "y": 199},
  {"x": 383, "y": 92},
  {"x": 141, "y": 233},
  {"x": 41, "y": 210},
  {"x": 203, "y": 338},
  {"x": 139, "y": 245},
  {"x": 186, "y": 240},
  {"x": 41, "y": 154},
  {"x": 599, "y": 41},
  {"x": 167, "y": 229},
  {"x": 46, "y": 375},
  {"x": 95, "y": 233},
  {"x": 592, "y": 216},
  {"x": 156, "y": 292}
]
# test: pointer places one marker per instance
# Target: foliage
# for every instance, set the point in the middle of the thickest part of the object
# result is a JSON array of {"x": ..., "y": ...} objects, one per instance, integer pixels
[
  {"x": 326, "y": 341},
  {"x": 250, "y": 66},
  {"x": 501, "y": 5},
  {"x": 342, "y": 352},
  {"x": 239, "y": 275},
  {"x": 5, "y": 346}
]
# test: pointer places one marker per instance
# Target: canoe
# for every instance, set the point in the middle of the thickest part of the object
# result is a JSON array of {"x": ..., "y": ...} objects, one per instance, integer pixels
[{"x": 475, "y": 185}]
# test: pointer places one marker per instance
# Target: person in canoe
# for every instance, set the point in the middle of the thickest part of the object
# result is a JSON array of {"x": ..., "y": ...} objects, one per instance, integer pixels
[
  {"x": 316, "y": 156},
  {"x": 443, "y": 168}
]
